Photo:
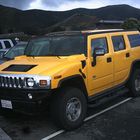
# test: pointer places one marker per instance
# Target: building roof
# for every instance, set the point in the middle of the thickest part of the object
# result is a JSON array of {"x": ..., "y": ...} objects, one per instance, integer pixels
[{"x": 111, "y": 21}]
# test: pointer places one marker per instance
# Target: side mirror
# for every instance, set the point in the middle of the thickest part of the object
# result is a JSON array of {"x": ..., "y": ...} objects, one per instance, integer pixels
[
  {"x": 2, "y": 55},
  {"x": 97, "y": 52}
]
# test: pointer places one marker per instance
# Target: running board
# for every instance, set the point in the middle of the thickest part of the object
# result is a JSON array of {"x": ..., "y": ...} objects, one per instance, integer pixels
[{"x": 105, "y": 97}]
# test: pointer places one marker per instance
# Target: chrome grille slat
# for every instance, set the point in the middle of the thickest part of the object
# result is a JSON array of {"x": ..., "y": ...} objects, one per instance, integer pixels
[
  {"x": 2, "y": 81},
  {"x": 6, "y": 81},
  {"x": 11, "y": 82},
  {"x": 5, "y": 84},
  {"x": 21, "y": 82},
  {"x": 18, "y": 82},
  {"x": 15, "y": 80}
]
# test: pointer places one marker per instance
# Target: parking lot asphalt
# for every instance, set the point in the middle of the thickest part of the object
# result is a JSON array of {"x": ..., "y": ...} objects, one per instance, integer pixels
[{"x": 119, "y": 123}]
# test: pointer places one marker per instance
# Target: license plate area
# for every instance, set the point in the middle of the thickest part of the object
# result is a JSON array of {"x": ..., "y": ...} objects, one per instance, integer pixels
[{"x": 6, "y": 104}]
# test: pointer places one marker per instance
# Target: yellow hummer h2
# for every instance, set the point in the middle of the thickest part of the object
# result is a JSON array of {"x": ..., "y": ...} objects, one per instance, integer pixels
[{"x": 68, "y": 70}]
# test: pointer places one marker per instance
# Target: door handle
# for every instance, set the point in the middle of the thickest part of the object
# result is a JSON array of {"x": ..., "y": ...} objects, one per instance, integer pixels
[
  {"x": 109, "y": 60},
  {"x": 127, "y": 55}
]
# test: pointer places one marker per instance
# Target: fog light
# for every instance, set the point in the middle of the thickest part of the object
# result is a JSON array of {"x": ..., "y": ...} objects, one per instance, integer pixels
[{"x": 30, "y": 96}]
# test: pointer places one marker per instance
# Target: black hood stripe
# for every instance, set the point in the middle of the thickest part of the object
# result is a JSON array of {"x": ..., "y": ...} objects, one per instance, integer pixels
[{"x": 19, "y": 68}]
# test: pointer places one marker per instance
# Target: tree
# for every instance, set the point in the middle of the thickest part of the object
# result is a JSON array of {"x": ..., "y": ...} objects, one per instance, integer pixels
[
  {"x": 131, "y": 23},
  {"x": 11, "y": 30},
  {"x": 31, "y": 30}
]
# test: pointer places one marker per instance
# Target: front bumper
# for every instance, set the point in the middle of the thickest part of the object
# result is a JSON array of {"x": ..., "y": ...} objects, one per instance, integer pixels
[{"x": 22, "y": 103}]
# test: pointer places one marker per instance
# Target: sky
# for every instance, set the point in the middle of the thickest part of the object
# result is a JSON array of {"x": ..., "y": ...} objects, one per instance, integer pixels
[{"x": 62, "y": 5}]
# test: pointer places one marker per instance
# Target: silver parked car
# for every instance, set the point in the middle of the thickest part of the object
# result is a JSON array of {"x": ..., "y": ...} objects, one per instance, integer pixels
[{"x": 17, "y": 50}]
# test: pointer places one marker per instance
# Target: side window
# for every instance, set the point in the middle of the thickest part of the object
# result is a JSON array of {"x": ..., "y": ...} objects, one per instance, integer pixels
[
  {"x": 99, "y": 43},
  {"x": 7, "y": 44},
  {"x": 118, "y": 43},
  {"x": 1, "y": 46},
  {"x": 134, "y": 40}
]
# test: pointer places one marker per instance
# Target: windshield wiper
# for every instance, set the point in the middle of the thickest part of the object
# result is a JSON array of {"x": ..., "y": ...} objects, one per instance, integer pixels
[
  {"x": 43, "y": 55},
  {"x": 7, "y": 58},
  {"x": 54, "y": 55},
  {"x": 31, "y": 56}
]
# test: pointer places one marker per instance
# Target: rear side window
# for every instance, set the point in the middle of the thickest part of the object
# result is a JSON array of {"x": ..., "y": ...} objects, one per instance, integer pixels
[
  {"x": 99, "y": 43},
  {"x": 134, "y": 40},
  {"x": 118, "y": 43},
  {"x": 7, "y": 44},
  {"x": 0, "y": 46}
]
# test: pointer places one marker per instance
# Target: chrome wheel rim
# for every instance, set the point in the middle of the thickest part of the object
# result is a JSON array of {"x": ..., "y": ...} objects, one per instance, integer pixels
[
  {"x": 73, "y": 109},
  {"x": 137, "y": 83}
]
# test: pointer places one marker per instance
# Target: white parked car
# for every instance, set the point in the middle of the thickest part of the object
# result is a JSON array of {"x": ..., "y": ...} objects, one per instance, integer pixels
[{"x": 7, "y": 43}]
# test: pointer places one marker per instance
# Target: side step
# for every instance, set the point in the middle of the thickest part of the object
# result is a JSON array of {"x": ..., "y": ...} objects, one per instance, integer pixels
[{"x": 105, "y": 97}]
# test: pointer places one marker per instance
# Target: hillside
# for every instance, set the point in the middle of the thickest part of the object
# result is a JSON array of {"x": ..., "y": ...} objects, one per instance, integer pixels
[
  {"x": 74, "y": 22},
  {"x": 35, "y": 21}
]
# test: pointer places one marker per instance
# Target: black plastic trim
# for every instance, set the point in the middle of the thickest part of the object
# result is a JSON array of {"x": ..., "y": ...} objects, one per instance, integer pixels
[
  {"x": 104, "y": 93},
  {"x": 83, "y": 63},
  {"x": 132, "y": 65},
  {"x": 68, "y": 78},
  {"x": 72, "y": 77},
  {"x": 22, "y": 94}
]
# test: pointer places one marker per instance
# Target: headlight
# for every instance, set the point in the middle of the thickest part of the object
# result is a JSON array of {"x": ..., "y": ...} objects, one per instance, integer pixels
[
  {"x": 38, "y": 81},
  {"x": 30, "y": 82}
]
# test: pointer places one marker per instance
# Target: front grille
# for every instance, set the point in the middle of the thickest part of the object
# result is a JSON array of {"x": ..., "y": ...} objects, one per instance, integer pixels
[
  {"x": 12, "y": 82},
  {"x": 20, "y": 81}
]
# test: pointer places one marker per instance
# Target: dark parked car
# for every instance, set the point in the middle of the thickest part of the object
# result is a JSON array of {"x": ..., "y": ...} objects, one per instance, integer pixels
[{"x": 17, "y": 50}]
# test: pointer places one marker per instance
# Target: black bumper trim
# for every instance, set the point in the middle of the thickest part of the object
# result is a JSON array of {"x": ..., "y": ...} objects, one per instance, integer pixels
[{"x": 22, "y": 103}]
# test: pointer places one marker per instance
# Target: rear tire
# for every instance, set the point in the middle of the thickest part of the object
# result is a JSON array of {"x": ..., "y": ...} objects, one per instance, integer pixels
[
  {"x": 134, "y": 83},
  {"x": 69, "y": 108}
]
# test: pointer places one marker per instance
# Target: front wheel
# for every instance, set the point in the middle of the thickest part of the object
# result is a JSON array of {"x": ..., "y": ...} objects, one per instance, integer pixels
[
  {"x": 134, "y": 83},
  {"x": 69, "y": 108}
]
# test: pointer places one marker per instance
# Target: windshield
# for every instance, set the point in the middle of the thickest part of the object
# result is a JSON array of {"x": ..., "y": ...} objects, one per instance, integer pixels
[
  {"x": 15, "y": 51},
  {"x": 56, "y": 46}
]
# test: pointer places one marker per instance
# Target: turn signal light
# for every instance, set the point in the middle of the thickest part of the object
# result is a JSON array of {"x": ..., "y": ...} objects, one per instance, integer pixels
[{"x": 43, "y": 83}]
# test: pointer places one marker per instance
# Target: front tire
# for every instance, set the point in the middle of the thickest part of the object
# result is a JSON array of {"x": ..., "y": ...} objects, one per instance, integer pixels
[
  {"x": 134, "y": 83},
  {"x": 69, "y": 108}
]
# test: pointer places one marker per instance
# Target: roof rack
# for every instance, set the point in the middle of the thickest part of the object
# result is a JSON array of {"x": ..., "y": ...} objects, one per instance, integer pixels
[{"x": 105, "y": 31}]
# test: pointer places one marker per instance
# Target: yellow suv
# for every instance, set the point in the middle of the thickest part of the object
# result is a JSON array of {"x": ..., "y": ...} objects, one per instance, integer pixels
[{"x": 68, "y": 70}]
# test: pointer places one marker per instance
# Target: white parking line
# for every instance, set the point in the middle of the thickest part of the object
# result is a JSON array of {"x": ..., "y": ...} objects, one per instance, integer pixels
[
  {"x": 107, "y": 109},
  {"x": 4, "y": 136},
  {"x": 88, "y": 118},
  {"x": 54, "y": 135}
]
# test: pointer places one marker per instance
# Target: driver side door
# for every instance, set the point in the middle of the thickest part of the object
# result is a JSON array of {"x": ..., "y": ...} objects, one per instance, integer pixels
[{"x": 101, "y": 75}]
